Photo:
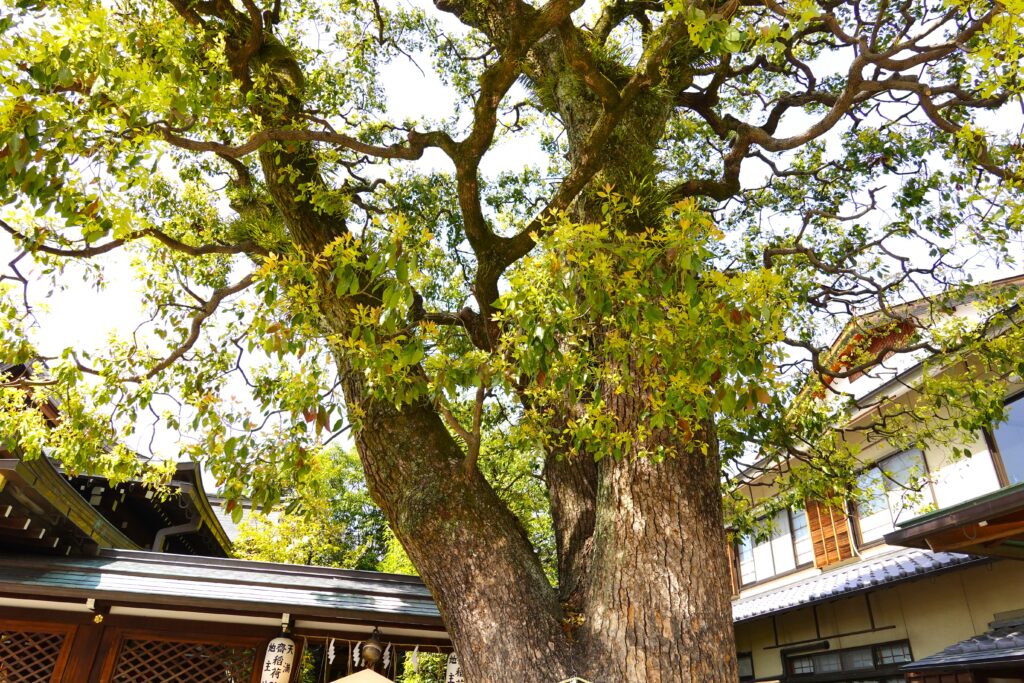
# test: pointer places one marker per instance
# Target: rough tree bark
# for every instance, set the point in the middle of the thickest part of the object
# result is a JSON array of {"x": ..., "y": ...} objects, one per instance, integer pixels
[
  {"x": 642, "y": 559},
  {"x": 657, "y": 605}
]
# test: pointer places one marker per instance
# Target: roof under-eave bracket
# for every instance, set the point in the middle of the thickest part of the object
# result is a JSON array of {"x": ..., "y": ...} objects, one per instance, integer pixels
[
  {"x": 41, "y": 512},
  {"x": 991, "y": 525}
]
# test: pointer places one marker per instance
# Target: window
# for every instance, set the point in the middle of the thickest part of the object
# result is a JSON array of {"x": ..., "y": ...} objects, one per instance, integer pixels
[
  {"x": 801, "y": 665},
  {"x": 802, "y": 545},
  {"x": 894, "y": 653},
  {"x": 787, "y": 546},
  {"x": 861, "y": 660},
  {"x": 746, "y": 555},
  {"x": 895, "y": 492},
  {"x": 1009, "y": 438},
  {"x": 827, "y": 663},
  {"x": 746, "y": 665},
  {"x": 858, "y": 659},
  {"x": 783, "y": 558}
]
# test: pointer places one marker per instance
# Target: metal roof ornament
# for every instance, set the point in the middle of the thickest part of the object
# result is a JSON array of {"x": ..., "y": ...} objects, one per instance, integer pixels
[{"x": 372, "y": 649}]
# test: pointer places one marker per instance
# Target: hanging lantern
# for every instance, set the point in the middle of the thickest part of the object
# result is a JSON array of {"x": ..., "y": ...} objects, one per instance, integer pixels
[
  {"x": 278, "y": 662},
  {"x": 453, "y": 673}
]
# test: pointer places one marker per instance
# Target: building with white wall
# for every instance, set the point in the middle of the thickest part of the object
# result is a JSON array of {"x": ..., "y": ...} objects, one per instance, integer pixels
[{"x": 921, "y": 586}]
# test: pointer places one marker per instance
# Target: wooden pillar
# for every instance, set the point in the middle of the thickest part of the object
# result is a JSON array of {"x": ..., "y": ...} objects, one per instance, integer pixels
[{"x": 84, "y": 648}]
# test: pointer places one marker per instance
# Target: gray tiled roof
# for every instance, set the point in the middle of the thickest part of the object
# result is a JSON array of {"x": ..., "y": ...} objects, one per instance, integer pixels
[
  {"x": 846, "y": 580},
  {"x": 230, "y": 528},
  {"x": 210, "y": 583},
  {"x": 1003, "y": 645}
]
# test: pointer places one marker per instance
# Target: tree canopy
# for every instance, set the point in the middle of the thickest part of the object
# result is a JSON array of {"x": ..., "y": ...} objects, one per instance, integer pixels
[
  {"x": 328, "y": 521},
  {"x": 713, "y": 191}
]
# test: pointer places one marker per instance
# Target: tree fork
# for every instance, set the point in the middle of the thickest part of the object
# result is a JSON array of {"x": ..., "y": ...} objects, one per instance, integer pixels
[{"x": 470, "y": 550}]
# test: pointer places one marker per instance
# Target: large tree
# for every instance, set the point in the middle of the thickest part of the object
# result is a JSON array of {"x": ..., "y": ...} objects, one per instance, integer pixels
[{"x": 726, "y": 184}]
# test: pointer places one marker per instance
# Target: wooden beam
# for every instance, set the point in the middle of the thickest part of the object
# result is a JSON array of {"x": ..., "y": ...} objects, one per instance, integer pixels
[
  {"x": 974, "y": 535},
  {"x": 24, "y": 533},
  {"x": 16, "y": 523}
]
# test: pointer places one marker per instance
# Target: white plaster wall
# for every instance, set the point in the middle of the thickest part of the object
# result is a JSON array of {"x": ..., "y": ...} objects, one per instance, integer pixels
[{"x": 932, "y": 613}]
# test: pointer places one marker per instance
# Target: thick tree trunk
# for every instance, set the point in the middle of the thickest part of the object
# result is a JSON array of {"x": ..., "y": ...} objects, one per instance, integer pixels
[
  {"x": 642, "y": 559},
  {"x": 652, "y": 594},
  {"x": 651, "y": 589},
  {"x": 658, "y": 607}
]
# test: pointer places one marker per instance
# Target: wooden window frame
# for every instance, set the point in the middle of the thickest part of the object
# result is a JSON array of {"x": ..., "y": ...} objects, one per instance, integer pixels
[{"x": 878, "y": 670}]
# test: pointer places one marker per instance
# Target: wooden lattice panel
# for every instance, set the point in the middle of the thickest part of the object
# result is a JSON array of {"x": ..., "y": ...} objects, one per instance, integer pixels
[
  {"x": 27, "y": 657},
  {"x": 830, "y": 534},
  {"x": 142, "y": 661}
]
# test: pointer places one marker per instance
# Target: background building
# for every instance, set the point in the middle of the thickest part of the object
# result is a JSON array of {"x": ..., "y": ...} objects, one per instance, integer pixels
[{"x": 923, "y": 586}]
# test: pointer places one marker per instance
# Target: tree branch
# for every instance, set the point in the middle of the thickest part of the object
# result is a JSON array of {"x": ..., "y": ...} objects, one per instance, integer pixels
[
  {"x": 417, "y": 143},
  {"x": 246, "y": 247}
]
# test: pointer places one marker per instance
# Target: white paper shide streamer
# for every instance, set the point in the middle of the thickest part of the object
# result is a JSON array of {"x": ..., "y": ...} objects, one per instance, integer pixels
[
  {"x": 278, "y": 662},
  {"x": 357, "y": 656},
  {"x": 416, "y": 660},
  {"x": 330, "y": 652},
  {"x": 386, "y": 660}
]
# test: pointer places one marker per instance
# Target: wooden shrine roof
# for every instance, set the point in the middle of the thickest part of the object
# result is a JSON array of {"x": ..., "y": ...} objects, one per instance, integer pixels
[
  {"x": 42, "y": 509},
  {"x": 148, "y": 579}
]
